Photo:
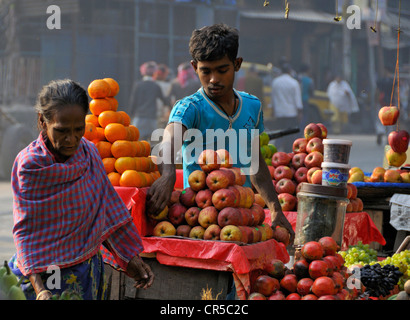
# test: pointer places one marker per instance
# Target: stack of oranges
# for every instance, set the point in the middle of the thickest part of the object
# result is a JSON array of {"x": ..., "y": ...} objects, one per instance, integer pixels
[{"x": 127, "y": 161}]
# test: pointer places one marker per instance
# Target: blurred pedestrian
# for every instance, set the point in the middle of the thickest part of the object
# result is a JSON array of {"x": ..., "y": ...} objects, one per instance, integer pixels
[
  {"x": 307, "y": 87},
  {"x": 143, "y": 101},
  {"x": 253, "y": 83},
  {"x": 161, "y": 76},
  {"x": 185, "y": 83},
  {"x": 344, "y": 101},
  {"x": 287, "y": 106}
]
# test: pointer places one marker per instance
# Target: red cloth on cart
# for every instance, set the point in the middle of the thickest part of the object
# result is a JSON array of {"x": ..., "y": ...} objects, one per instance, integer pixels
[
  {"x": 358, "y": 226},
  {"x": 217, "y": 255}
]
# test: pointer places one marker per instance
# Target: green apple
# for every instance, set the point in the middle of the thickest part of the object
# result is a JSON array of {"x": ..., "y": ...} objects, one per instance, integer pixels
[{"x": 264, "y": 139}]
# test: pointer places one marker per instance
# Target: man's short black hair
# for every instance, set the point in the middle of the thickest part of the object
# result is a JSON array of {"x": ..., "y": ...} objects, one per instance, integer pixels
[{"x": 214, "y": 42}]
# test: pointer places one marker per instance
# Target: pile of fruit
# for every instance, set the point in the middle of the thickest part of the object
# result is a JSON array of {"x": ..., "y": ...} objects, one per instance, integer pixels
[
  {"x": 380, "y": 174},
  {"x": 398, "y": 140},
  {"x": 319, "y": 274},
  {"x": 127, "y": 160},
  {"x": 10, "y": 285},
  {"x": 216, "y": 206},
  {"x": 267, "y": 149},
  {"x": 378, "y": 280},
  {"x": 303, "y": 164}
]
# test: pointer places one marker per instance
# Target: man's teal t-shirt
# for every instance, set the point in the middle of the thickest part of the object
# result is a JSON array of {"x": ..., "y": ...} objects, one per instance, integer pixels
[{"x": 208, "y": 127}]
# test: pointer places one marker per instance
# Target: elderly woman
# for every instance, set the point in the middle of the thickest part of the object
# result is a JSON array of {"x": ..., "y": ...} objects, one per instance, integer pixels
[{"x": 65, "y": 208}]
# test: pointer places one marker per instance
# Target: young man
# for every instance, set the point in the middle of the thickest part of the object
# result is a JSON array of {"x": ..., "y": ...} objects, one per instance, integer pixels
[{"x": 219, "y": 107}]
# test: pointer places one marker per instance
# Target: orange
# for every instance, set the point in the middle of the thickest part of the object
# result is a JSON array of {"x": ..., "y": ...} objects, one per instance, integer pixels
[
  {"x": 109, "y": 164},
  {"x": 114, "y": 177},
  {"x": 131, "y": 178},
  {"x": 152, "y": 164},
  {"x": 147, "y": 148},
  {"x": 113, "y": 102},
  {"x": 114, "y": 86},
  {"x": 126, "y": 120},
  {"x": 99, "y": 105},
  {"x": 99, "y": 88},
  {"x": 123, "y": 148},
  {"x": 92, "y": 119},
  {"x": 114, "y": 132},
  {"x": 139, "y": 148},
  {"x": 136, "y": 132},
  {"x": 148, "y": 178},
  {"x": 125, "y": 163},
  {"x": 107, "y": 117},
  {"x": 104, "y": 148},
  {"x": 90, "y": 132},
  {"x": 100, "y": 134}
]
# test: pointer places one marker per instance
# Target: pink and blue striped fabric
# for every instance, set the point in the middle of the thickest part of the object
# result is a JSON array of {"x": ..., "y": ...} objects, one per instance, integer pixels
[{"x": 64, "y": 212}]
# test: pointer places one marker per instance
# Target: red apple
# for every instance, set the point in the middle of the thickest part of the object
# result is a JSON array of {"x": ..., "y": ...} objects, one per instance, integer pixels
[
  {"x": 259, "y": 200},
  {"x": 212, "y": 232},
  {"x": 209, "y": 160},
  {"x": 298, "y": 160},
  {"x": 298, "y": 187},
  {"x": 280, "y": 158},
  {"x": 314, "y": 159},
  {"x": 174, "y": 197},
  {"x": 197, "y": 232},
  {"x": 280, "y": 234},
  {"x": 244, "y": 234},
  {"x": 231, "y": 175},
  {"x": 250, "y": 197},
  {"x": 310, "y": 173},
  {"x": 301, "y": 175},
  {"x": 392, "y": 175},
  {"x": 217, "y": 179},
  {"x": 164, "y": 228},
  {"x": 323, "y": 129},
  {"x": 287, "y": 201},
  {"x": 249, "y": 232},
  {"x": 230, "y": 233},
  {"x": 187, "y": 197},
  {"x": 258, "y": 214},
  {"x": 226, "y": 159},
  {"x": 257, "y": 234},
  {"x": 208, "y": 216},
  {"x": 240, "y": 178},
  {"x": 229, "y": 216},
  {"x": 247, "y": 217},
  {"x": 237, "y": 195},
  {"x": 243, "y": 198},
  {"x": 395, "y": 159},
  {"x": 399, "y": 140},
  {"x": 203, "y": 198},
  {"x": 176, "y": 214},
  {"x": 315, "y": 144},
  {"x": 224, "y": 198},
  {"x": 285, "y": 186},
  {"x": 282, "y": 171},
  {"x": 191, "y": 216},
  {"x": 317, "y": 177},
  {"x": 299, "y": 145},
  {"x": 353, "y": 190},
  {"x": 183, "y": 230},
  {"x": 312, "y": 130},
  {"x": 271, "y": 171},
  {"x": 388, "y": 115},
  {"x": 196, "y": 180}
]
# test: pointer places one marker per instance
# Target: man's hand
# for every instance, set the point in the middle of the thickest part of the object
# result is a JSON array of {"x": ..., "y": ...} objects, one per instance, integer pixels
[
  {"x": 140, "y": 272},
  {"x": 280, "y": 220}
]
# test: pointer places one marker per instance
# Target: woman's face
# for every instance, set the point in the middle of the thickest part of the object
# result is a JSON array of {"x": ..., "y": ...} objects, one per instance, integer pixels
[{"x": 65, "y": 130}]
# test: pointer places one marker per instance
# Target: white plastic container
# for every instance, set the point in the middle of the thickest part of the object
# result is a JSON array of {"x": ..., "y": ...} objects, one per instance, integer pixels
[
  {"x": 335, "y": 174},
  {"x": 336, "y": 150}
]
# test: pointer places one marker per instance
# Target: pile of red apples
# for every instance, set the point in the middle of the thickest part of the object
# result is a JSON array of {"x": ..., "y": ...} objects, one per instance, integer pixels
[
  {"x": 216, "y": 206},
  {"x": 318, "y": 274},
  {"x": 303, "y": 164}
]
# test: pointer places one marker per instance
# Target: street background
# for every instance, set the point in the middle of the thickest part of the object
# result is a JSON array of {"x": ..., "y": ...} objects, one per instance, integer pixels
[{"x": 365, "y": 153}]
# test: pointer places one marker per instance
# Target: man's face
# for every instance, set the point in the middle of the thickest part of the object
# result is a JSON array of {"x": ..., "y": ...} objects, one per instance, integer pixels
[{"x": 217, "y": 77}]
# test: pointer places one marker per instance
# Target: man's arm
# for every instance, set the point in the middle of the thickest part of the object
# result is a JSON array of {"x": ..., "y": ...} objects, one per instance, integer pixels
[
  {"x": 263, "y": 184},
  {"x": 159, "y": 193}
]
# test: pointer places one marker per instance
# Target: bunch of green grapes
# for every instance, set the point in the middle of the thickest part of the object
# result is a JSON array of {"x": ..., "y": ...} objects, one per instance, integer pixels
[
  {"x": 359, "y": 254},
  {"x": 400, "y": 260}
]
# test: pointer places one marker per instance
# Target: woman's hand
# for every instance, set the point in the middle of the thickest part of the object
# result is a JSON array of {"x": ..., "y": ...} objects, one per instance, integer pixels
[{"x": 140, "y": 272}]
